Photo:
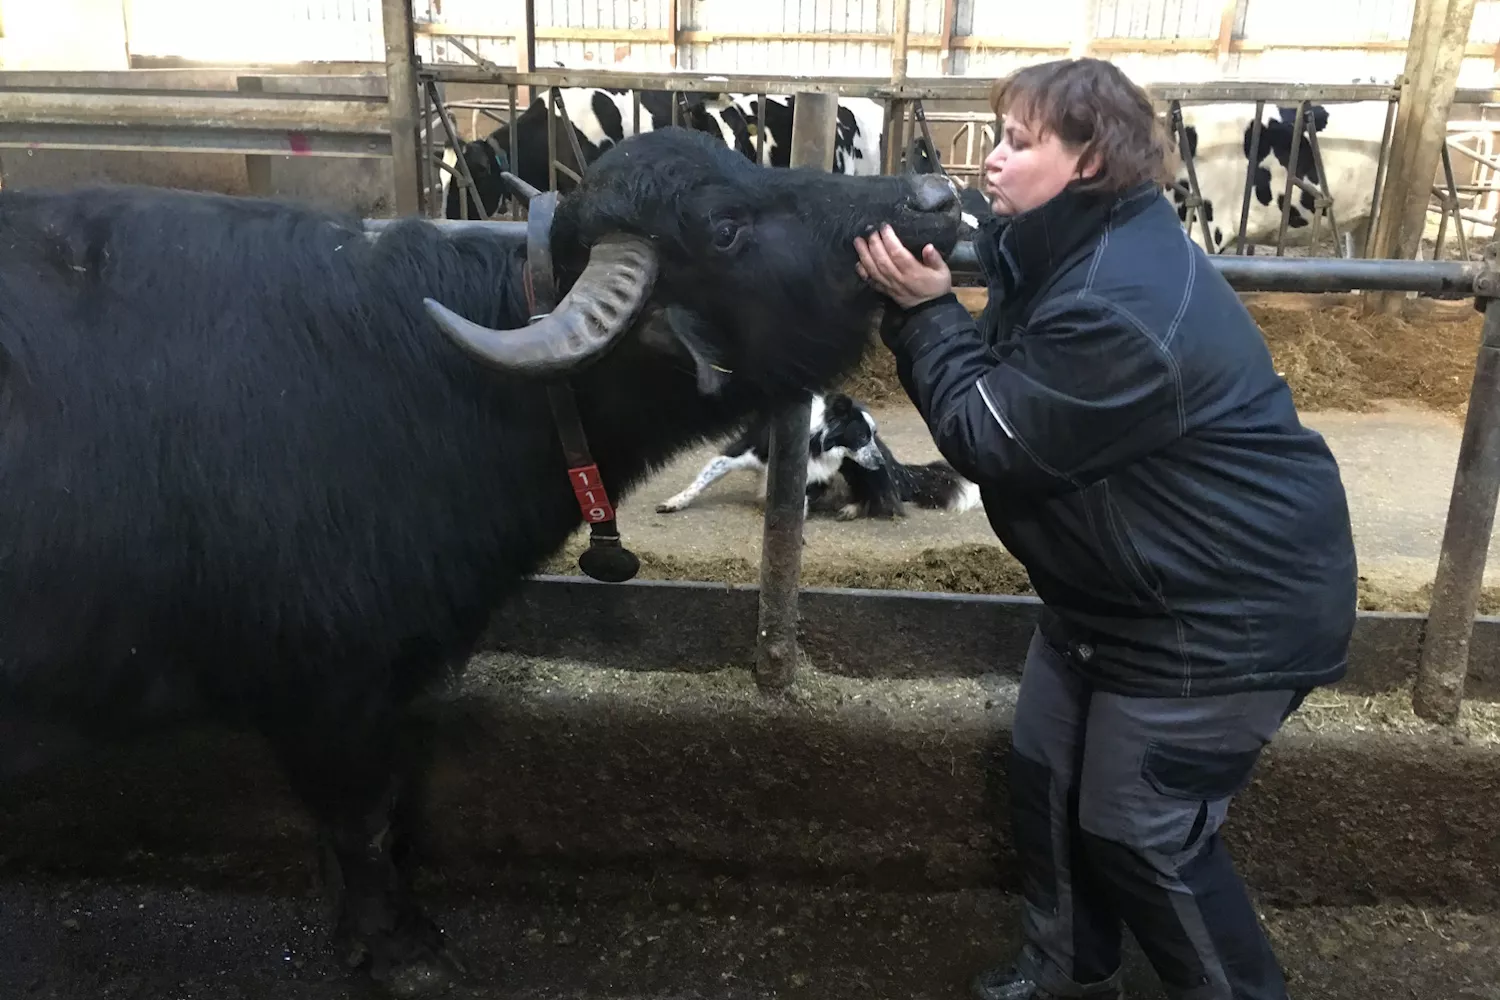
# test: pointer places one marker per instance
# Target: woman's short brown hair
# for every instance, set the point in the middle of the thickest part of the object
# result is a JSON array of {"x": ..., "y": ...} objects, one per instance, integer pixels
[{"x": 1090, "y": 103}]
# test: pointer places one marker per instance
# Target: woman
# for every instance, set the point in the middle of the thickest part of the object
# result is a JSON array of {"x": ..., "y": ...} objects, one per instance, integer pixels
[{"x": 1188, "y": 537}]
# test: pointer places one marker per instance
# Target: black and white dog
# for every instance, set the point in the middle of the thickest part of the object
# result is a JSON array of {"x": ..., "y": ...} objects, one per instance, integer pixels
[{"x": 842, "y": 439}]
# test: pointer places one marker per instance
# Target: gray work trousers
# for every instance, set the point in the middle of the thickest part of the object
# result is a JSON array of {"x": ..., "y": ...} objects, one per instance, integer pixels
[{"x": 1116, "y": 804}]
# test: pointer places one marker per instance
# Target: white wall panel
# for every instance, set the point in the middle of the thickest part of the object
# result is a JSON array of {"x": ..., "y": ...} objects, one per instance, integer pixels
[{"x": 638, "y": 35}]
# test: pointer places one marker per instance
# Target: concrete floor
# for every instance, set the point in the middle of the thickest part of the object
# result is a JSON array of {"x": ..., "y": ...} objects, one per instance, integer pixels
[
  {"x": 1397, "y": 467},
  {"x": 614, "y": 937},
  {"x": 234, "y": 933}
]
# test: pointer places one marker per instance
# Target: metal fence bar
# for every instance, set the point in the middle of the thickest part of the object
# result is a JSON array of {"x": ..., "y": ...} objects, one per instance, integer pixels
[
  {"x": 776, "y": 649},
  {"x": 912, "y": 89},
  {"x": 1445, "y": 279}
]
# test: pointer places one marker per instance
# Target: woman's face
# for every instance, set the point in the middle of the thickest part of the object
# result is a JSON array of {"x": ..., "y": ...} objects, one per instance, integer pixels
[{"x": 1026, "y": 169}]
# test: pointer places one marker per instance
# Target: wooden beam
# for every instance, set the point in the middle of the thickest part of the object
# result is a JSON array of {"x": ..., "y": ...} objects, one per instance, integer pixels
[
  {"x": 936, "y": 88},
  {"x": 945, "y": 39},
  {"x": 1083, "y": 34},
  {"x": 526, "y": 49},
  {"x": 901, "y": 26},
  {"x": 692, "y": 37},
  {"x": 1439, "y": 37},
  {"x": 401, "y": 91},
  {"x": 1470, "y": 51},
  {"x": 185, "y": 110},
  {"x": 1226, "y": 31},
  {"x": 1152, "y": 45},
  {"x": 674, "y": 20}
]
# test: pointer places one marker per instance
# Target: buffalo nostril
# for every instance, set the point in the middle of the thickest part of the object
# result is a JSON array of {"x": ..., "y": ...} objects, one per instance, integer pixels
[{"x": 932, "y": 192}]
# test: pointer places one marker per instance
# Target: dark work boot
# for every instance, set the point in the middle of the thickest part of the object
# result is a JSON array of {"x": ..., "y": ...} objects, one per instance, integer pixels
[{"x": 1014, "y": 982}]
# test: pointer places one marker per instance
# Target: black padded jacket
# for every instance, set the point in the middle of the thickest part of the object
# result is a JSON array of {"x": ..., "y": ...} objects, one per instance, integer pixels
[{"x": 1136, "y": 450}]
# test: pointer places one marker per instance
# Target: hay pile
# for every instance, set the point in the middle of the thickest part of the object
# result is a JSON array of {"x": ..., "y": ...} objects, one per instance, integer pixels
[
  {"x": 1332, "y": 357},
  {"x": 1337, "y": 359},
  {"x": 956, "y": 569}
]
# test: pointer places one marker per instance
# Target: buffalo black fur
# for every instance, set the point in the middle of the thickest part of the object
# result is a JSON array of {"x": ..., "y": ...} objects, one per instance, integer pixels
[{"x": 243, "y": 476}]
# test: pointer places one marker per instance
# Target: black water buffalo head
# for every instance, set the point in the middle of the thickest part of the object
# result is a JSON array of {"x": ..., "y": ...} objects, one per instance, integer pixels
[{"x": 740, "y": 271}]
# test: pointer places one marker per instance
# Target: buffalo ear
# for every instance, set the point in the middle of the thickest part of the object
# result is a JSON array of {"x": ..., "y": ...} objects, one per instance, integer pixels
[{"x": 685, "y": 334}]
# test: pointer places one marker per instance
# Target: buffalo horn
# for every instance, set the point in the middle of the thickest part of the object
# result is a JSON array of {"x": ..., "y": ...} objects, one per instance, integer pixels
[{"x": 595, "y": 312}]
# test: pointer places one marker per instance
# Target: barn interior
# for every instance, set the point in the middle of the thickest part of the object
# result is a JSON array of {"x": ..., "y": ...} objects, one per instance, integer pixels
[{"x": 619, "y": 811}]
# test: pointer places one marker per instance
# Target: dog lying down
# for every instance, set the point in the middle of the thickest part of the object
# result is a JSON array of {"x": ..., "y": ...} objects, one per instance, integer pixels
[{"x": 842, "y": 441}]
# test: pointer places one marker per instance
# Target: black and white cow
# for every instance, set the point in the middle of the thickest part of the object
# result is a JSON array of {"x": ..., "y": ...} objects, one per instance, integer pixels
[
  {"x": 603, "y": 117},
  {"x": 858, "y": 134},
  {"x": 1218, "y": 137}
]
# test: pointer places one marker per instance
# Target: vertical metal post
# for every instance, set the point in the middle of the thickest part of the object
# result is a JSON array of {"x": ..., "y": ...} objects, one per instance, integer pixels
[
  {"x": 1291, "y": 175},
  {"x": 1452, "y": 203},
  {"x": 776, "y": 649},
  {"x": 401, "y": 85},
  {"x": 429, "y": 175},
  {"x": 1195, "y": 193},
  {"x": 1382, "y": 165},
  {"x": 515, "y": 156},
  {"x": 1471, "y": 517},
  {"x": 895, "y": 135},
  {"x": 1251, "y": 165}
]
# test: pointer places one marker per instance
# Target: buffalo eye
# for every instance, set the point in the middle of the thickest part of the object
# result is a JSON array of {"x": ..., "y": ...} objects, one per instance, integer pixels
[{"x": 726, "y": 234}]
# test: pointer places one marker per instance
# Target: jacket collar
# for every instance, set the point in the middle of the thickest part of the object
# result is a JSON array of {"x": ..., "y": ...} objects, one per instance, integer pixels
[{"x": 1020, "y": 251}]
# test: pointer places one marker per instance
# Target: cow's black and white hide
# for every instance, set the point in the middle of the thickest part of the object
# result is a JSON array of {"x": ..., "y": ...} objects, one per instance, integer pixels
[
  {"x": 843, "y": 441},
  {"x": 255, "y": 468},
  {"x": 602, "y": 118},
  {"x": 1218, "y": 137},
  {"x": 858, "y": 133}
]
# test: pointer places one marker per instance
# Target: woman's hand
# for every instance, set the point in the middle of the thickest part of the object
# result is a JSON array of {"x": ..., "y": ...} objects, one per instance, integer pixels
[{"x": 890, "y": 268}]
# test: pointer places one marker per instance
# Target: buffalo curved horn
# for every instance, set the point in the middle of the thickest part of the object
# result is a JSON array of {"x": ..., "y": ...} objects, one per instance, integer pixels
[{"x": 592, "y": 316}]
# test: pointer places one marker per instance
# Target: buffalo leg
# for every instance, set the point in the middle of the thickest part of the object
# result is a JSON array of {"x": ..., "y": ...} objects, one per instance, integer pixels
[{"x": 365, "y": 793}]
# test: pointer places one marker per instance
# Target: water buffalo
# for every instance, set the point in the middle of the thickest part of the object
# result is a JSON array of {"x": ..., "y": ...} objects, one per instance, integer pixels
[{"x": 260, "y": 469}]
